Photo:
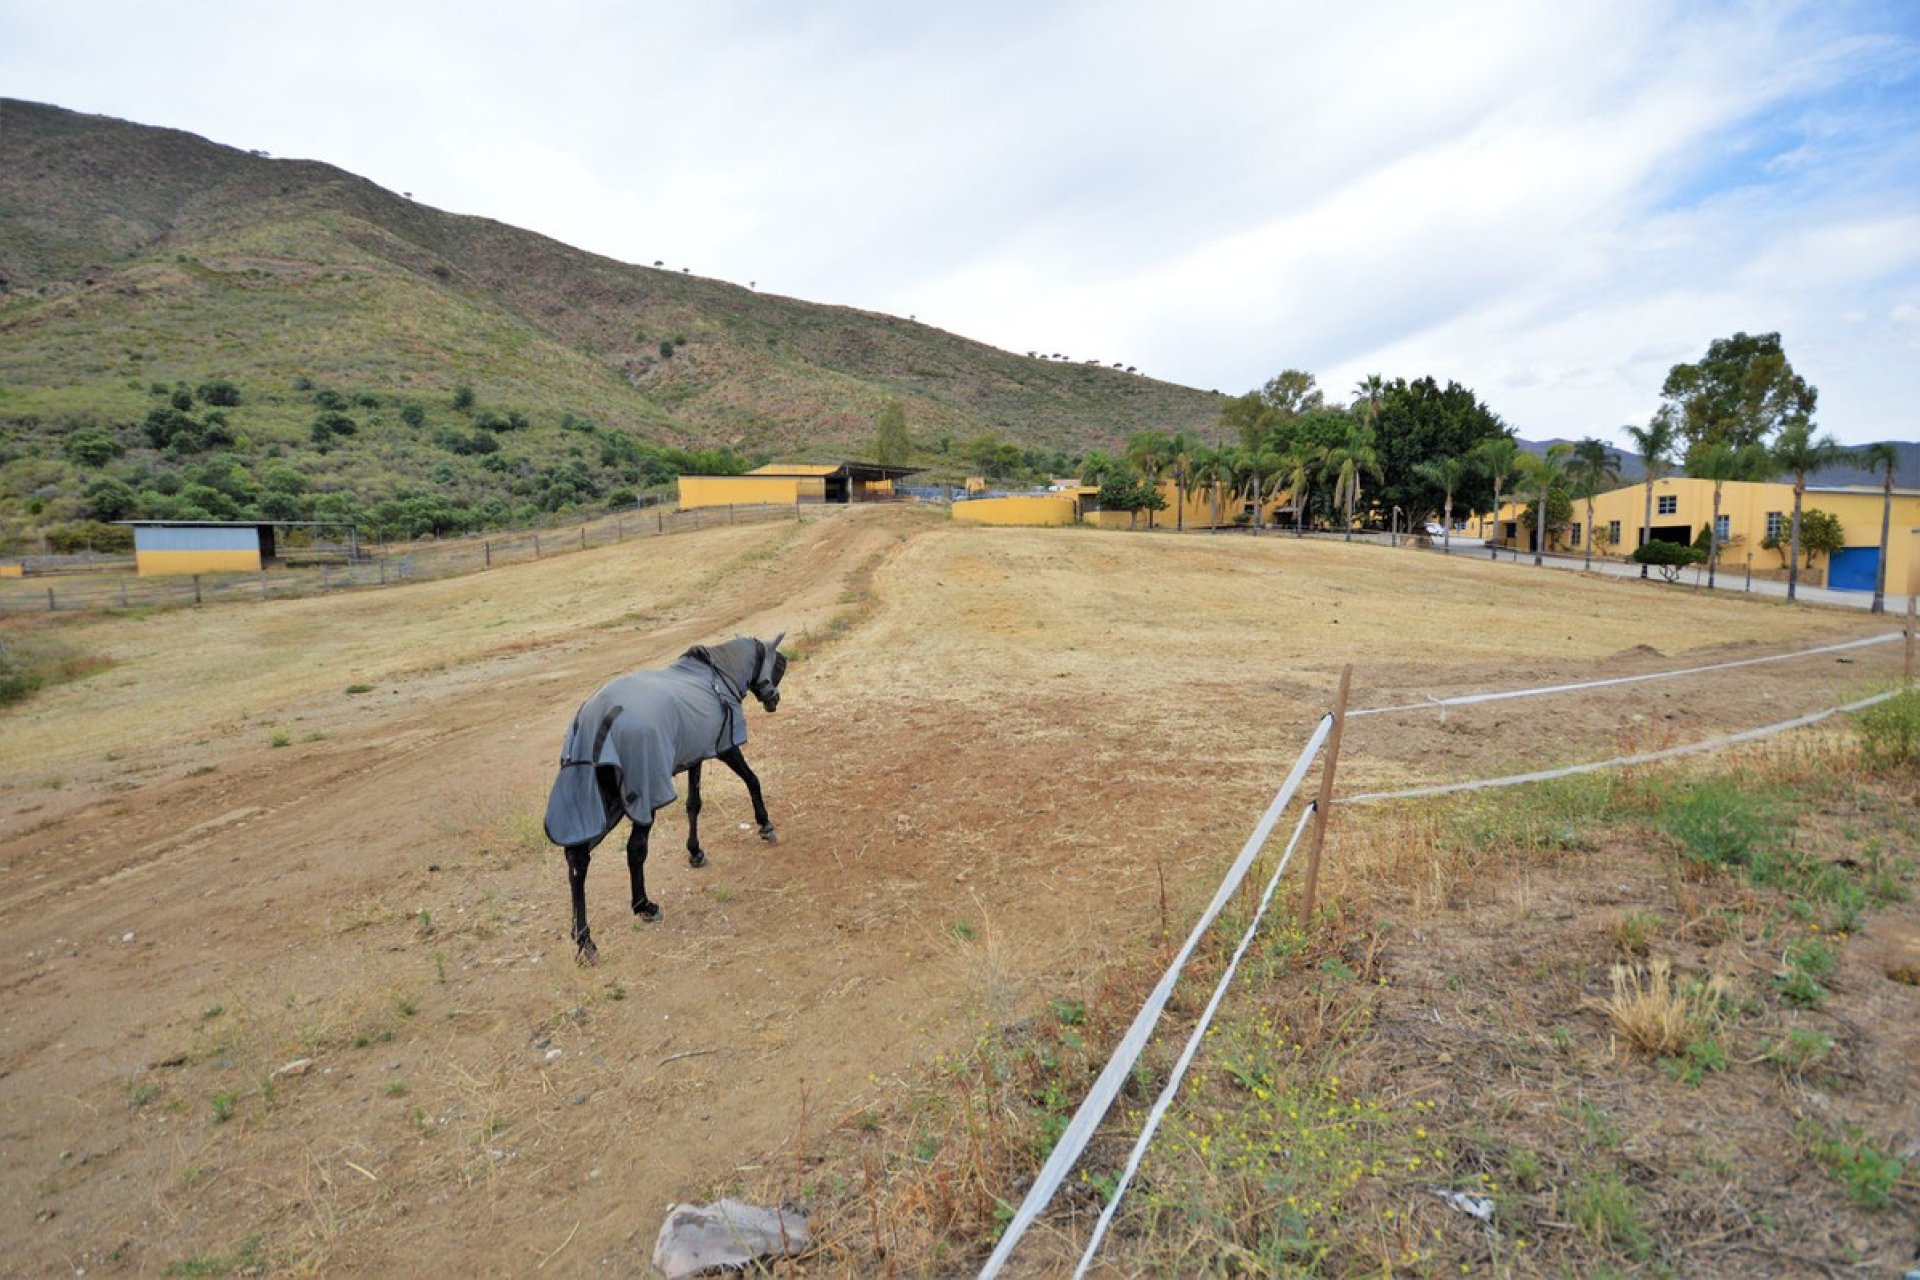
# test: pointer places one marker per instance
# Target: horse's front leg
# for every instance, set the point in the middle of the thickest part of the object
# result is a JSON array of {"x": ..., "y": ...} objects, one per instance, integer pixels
[
  {"x": 578, "y": 856},
  {"x": 637, "y": 869},
  {"x": 695, "y": 858},
  {"x": 736, "y": 761}
]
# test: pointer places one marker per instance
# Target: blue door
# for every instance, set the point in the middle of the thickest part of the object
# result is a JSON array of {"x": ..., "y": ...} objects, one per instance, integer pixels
[{"x": 1854, "y": 569}]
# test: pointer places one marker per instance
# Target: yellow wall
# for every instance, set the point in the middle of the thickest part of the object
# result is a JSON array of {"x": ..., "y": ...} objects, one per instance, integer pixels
[
  {"x": 13, "y": 571},
  {"x": 1746, "y": 507},
  {"x": 146, "y": 562},
  {"x": 722, "y": 491},
  {"x": 1041, "y": 509}
]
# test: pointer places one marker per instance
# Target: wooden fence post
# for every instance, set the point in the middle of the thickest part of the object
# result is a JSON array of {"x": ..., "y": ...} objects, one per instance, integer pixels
[
  {"x": 1909, "y": 636},
  {"x": 196, "y": 589},
  {"x": 583, "y": 537},
  {"x": 536, "y": 546},
  {"x": 50, "y": 604},
  {"x": 486, "y": 549},
  {"x": 1324, "y": 804},
  {"x": 123, "y": 592}
]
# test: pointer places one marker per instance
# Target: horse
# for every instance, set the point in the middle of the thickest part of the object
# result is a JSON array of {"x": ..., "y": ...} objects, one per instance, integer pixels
[{"x": 633, "y": 735}]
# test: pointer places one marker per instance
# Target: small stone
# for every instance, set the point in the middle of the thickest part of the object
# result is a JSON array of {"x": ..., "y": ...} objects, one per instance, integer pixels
[
  {"x": 727, "y": 1235},
  {"x": 127, "y": 936},
  {"x": 552, "y": 1054}
]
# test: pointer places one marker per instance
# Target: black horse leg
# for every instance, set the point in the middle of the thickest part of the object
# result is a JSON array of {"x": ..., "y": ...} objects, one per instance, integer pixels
[
  {"x": 734, "y": 760},
  {"x": 637, "y": 868},
  {"x": 578, "y": 856},
  {"x": 695, "y": 858}
]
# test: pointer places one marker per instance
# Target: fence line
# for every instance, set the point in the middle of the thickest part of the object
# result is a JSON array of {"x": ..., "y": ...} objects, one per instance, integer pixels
[
  {"x": 1538, "y": 691},
  {"x": 1106, "y": 1088},
  {"x": 400, "y": 563},
  {"x": 1645, "y": 757},
  {"x": 1199, "y": 1031}
]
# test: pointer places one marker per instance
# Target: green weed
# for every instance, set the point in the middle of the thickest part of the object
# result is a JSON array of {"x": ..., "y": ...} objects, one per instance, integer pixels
[
  {"x": 1606, "y": 1210},
  {"x": 1890, "y": 732},
  {"x": 1868, "y": 1170}
]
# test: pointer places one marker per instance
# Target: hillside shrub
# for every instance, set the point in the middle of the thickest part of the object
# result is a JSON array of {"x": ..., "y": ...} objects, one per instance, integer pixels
[
  {"x": 329, "y": 399},
  {"x": 91, "y": 447},
  {"x": 182, "y": 399},
  {"x": 219, "y": 391},
  {"x": 110, "y": 499},
  {"x": 666, "y": 348},
  {"x": 414, "y": 414},
  {"x": 463, "y": 397}
]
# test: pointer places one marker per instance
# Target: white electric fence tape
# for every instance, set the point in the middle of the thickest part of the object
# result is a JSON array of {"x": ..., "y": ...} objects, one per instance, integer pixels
[
  {"x": 1648, "y": 757},
  {"x": 1165, "y": 1099},
  {"x": 1467, "y": 699},
  {"x": 1081, "y": 1128}
]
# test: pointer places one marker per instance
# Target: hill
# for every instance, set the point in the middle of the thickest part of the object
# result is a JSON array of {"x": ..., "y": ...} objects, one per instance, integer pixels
[{"x": 137, "y": 263}]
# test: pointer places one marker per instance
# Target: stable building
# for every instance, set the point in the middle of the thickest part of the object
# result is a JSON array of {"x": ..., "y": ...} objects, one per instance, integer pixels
[
  {"x": 789, "y": 483},
  {"x": 200, "y": 546}
]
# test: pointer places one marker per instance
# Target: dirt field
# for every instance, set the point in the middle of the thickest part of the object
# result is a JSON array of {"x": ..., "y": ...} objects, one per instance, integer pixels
[{"x": 215, "y": 862}]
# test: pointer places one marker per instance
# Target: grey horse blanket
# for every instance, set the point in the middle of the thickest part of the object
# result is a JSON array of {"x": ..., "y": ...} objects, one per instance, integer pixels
[{"x": 638, "y": 730}]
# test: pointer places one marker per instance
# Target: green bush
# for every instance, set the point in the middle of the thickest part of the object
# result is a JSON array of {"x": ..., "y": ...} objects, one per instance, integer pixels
[
  {"x": 1719, "y": 825},
  {"x": 1668, "y": 557},
  {"x": 219, "y": 391},
  {"x": 463, "y": 397},
  {"x": 91, "y": 447},
  {"x": 1890, "y": 731}
]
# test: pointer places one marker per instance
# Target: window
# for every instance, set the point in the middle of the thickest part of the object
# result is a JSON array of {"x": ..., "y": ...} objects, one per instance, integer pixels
[
  {"x": 1669, "y": 505},
  {"x": 1776, "y": 521},
  {"x": 1613, "y": 533},
  {"x": 1722, "y": 527},
  {"x": 1574, "y": 541}
]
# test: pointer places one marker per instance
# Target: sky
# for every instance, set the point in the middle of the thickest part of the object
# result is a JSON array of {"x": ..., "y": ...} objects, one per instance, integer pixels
[{"x": 1550, "y": 203}]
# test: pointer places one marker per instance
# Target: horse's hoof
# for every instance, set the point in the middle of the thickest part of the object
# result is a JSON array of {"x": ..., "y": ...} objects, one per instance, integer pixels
[
  {"x": 768, "y": 834},
  {"x": 648, "y": 911},
  {"x": 587, "y": 954},
  {"x": 696, "y": 858}
]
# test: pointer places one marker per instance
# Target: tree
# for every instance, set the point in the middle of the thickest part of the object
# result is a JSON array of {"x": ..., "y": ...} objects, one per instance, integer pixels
[
  {"x": 1368, "y": 395},
  {"x": 1741, "y": 392},
  {"x": 91, "y": 448},
  {"x": 1593, "y": 468},
  {"x": 1656, "y": 442},
  {"x": 1885, "y": 459},
  {"x": 1353, "y": 458},
  {"x": 1498, "y": 459},
  {"x": 1183, "y": 451},
  {"x": 1546, "y": 473},
  {"x": 1449, "y": 474},
  {"x": 1297, "y": 469},
  {"x": 1420, "y": 421},
  {"x": 1216, "y": 469},
  {"x": 891, "y": 443},
  {"x": 1720, "y": 462},
  {"x": 1291, "y": 393},
  {"x": 1668, "y": 557},
  {"x": 1799, "y": 453},
  {"x": 110, "y": 499},
  {"x": 1149, "y": 452}
]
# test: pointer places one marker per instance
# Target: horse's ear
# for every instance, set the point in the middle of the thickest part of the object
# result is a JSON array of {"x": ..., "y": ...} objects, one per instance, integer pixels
[{"x": 773, "y": 645}]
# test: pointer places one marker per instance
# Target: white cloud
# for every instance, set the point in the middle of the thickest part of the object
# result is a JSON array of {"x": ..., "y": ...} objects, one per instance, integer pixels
[{"x": 1551, "y": 204}]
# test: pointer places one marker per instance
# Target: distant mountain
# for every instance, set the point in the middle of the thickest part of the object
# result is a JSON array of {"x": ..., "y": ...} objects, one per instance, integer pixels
[{"x": 135, "y": 259}]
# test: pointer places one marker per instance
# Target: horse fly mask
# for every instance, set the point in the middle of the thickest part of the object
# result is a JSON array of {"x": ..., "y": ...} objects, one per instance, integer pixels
[{"x": 634, "y": 734}]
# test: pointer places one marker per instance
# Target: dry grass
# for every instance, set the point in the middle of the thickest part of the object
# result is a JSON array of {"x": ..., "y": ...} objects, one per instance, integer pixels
[{"x": 1657, "y": 1015}]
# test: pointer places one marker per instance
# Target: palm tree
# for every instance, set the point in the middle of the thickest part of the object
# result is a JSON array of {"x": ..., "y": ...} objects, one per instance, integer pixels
[
  {"x": 1255, "y": 465},
  {"x": 1448, "y": 474},
  {"x": 1883, "y": 458},
  {"x": 1656, "y": 442},
  {"x": 1349, "y": 460},
  {"x": 1182, "y": 451},
  {"x": 1214, "y": 468},
  {"x": 1297, "y": 469},
  {"x": 1594, "y": 467},
  {"x": 1720, "y": 463},
  {"x": 1796, "y": 450},
  {"x": 1498, "y": 459},
  {"x": 1368, "y": 393},
  {"x": 1546, "y": 472},
  {"x": 1147, "y": 453}
]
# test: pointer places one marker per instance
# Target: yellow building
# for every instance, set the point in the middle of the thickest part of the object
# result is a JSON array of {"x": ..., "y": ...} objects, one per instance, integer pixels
[
  {"x": 787, "y": 483},
  {"x": 1750, "y": 513},
  {"x": 1024, "y": 509},
  {"x": 200, "y": 546}
]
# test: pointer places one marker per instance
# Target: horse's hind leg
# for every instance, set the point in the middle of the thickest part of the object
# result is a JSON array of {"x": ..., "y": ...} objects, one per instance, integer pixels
[
  {"x": 736, "y": 761},
  {"x": 578, "y": 856},
  {"x": 695, "y": 858},
  {"x": 637, "y": 868}
]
